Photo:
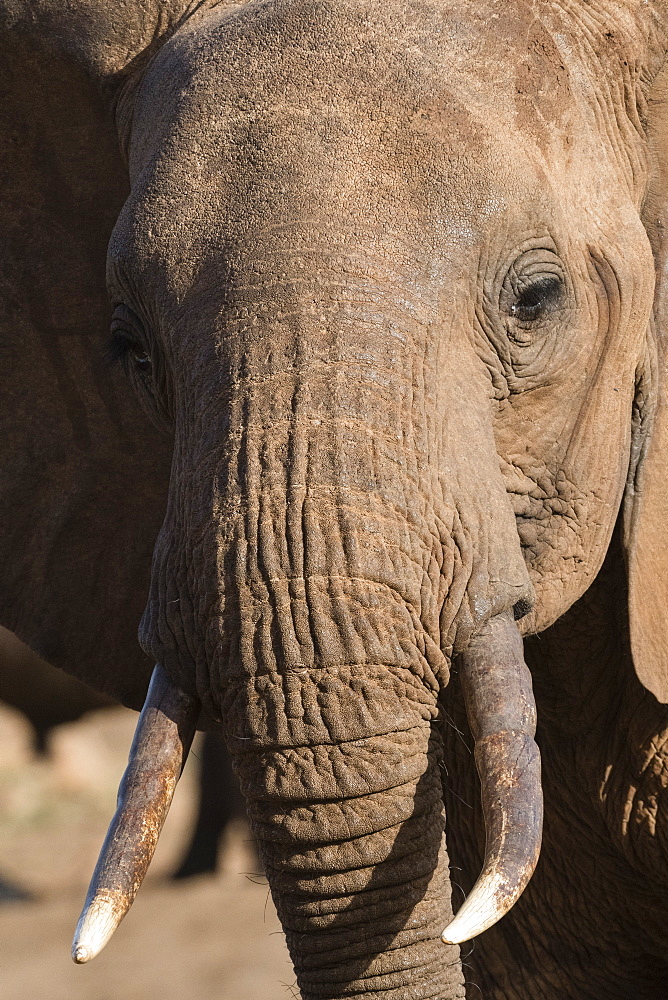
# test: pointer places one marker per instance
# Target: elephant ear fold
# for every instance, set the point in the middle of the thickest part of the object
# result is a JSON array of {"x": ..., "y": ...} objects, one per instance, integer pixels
[
  {"x": 646, "y": 536},
  {"x": 646, "y": 501},
  {"x": 83, "y": 475}
]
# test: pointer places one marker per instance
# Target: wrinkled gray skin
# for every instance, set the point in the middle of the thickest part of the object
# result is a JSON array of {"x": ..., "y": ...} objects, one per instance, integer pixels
[{"x": 384, "y": 275}]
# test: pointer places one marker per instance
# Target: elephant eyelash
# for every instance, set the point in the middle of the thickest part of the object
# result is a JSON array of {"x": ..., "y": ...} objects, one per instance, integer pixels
[
  {"x": 122, "y": 349},
  {"x": 536, "y": 298},
  {"x": 127, "y": 344},
  {"x": 116, "y": 349}
]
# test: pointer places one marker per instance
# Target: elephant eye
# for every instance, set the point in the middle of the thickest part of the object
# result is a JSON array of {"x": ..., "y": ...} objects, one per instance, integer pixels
[
  {"x": 131, "y": 346},
  {"x": 536, "y": 298},
  {"x": 127, "y": 341},
  {"x": 532, "y": 295},
  {"x": 141, "y": 359}
]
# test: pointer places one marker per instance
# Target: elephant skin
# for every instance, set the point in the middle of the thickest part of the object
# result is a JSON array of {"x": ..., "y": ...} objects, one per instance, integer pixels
[
  {"x": 46, "y": 696},
  {"x": 386, "y": 369}
]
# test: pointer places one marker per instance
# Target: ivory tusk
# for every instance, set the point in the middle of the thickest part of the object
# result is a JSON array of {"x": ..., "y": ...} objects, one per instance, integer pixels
[
  {"x": 159, "y": 750},
  {"x": 502, "y": 715}
]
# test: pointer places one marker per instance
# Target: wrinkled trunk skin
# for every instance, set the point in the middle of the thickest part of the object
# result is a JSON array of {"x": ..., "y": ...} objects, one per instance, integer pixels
[
  {"x": 322, "y": 550},
  {"x": 352, "y": 841}
]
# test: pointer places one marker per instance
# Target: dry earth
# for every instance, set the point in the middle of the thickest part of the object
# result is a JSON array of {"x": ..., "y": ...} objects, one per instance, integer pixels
[{"x": 210, "y": 938}]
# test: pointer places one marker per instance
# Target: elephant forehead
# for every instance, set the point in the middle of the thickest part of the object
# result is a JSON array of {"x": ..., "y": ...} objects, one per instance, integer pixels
[
  {"x": 429, "y": 103},
  {"x": 393, "y": 51}
]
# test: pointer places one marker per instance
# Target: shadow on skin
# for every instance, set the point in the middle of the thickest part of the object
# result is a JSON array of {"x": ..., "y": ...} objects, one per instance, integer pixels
[{"x": 418, "y": 889}]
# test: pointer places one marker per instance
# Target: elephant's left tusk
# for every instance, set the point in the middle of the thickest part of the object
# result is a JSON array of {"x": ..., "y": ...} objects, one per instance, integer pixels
[
  {"x": 159, "y": 750},
  {"x": 502, "y": 715}
]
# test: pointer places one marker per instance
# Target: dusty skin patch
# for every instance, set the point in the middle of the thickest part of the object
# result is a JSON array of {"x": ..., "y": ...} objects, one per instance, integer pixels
[{"x": 212, "y": 938}]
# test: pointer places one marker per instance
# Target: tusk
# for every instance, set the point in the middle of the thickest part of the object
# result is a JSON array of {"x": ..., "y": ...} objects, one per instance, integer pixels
[
  {"x": 502, "y": 715},
  {"x": 159, "y": 750}
]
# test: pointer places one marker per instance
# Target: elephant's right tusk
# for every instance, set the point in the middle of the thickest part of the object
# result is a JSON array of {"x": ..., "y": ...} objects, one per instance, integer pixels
[
  {"x": 502, "y": 715},
  {"x": 159, "y": 750}
]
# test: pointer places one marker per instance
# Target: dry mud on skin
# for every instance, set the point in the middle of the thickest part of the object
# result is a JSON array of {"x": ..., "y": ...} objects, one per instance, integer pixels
[{"x": 208, "y": 938}]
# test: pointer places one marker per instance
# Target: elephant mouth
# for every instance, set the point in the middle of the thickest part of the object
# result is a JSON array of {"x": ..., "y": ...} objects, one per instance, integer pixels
[{"x": 500, "y": 706}]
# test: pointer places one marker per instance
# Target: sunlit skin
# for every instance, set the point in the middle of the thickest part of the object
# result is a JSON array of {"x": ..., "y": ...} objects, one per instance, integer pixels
[{"x": 385, "y": 363}]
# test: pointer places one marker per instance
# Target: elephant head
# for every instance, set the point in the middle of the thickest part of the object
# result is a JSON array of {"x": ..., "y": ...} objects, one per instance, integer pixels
[{"x": 383, "y": 363}]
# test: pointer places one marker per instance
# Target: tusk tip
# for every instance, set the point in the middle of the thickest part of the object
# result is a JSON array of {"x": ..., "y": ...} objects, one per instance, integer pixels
[
  {"x": 454, "y": 934},
  {"x": 97, "y": 924},
  {"x": 486, "y": 904},
  {"x": 81, "y": 954}
]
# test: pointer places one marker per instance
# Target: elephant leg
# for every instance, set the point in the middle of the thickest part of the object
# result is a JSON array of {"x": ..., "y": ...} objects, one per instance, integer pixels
[{"x": 10, "y": 893}]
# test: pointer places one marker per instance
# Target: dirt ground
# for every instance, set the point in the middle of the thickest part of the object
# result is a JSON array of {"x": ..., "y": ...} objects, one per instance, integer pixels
[{"x": 209, "y": 938}]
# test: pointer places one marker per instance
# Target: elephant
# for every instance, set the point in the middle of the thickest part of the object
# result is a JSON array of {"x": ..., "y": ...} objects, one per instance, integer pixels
[
  {"x": 47, "y": 697},
  {"x": 372, "y": 461}
]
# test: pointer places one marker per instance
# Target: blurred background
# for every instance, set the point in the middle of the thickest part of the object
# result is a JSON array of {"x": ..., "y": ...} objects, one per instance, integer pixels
[{"x": 210, "y": 934}]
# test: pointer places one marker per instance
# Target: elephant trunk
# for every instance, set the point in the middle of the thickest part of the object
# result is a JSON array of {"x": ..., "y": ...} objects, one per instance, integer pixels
[
  {"x": 352, "y": 839},
  {"x": 352, "y": 830}
]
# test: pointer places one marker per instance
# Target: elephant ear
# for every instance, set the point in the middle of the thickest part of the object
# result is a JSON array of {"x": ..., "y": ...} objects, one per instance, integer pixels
[
  {"x": 83, "y": 475},
  {"x": 646, "y": 501}
]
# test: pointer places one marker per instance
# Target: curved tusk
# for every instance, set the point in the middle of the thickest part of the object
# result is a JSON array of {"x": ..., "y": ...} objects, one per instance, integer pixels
[
  {"x": 159, "y": 750},
  {"x": 502, "y": 715}
]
